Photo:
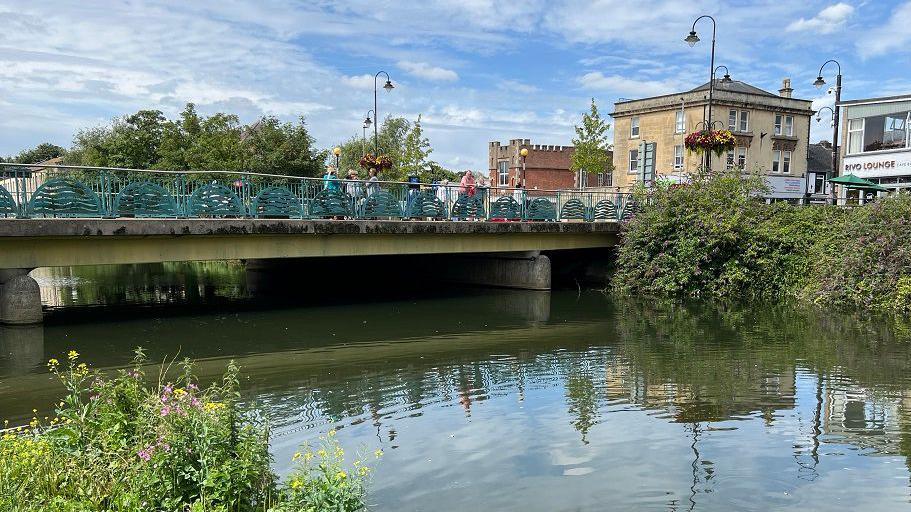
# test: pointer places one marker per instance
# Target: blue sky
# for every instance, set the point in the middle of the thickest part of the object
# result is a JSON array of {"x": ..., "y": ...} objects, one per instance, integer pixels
[{"x": 477, "y": 70}]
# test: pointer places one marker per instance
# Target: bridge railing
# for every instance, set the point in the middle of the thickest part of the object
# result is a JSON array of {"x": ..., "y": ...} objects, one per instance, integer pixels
[{"x": 55, "y": 191}]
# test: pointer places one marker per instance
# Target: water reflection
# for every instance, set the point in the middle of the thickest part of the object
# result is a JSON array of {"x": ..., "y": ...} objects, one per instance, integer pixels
[
  {"x": 21, "y": 349},
  {"x": 528, "y": 401}
]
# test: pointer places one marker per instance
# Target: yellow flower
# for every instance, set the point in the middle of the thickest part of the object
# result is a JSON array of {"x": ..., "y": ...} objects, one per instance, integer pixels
[
  {"x": 73, "y": 355},
  {"x": 52, "y": 363},
  {"x": 179, "y": 392},
  {"x": 332, "y": 433},
  {"x": 341, "y": 475},
  {"x": 296, "y": 456},
  {"x": 296, "y": 484},
  {"x": 378, "y": 453},
  {"x": 322, "y": 453}
]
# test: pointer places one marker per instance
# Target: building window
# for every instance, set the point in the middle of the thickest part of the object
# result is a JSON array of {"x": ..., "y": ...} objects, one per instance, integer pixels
[
  {"x": 678, "y": 156},
  {"x": 895, "y": 131},
  {"x": 600, "y": 179},
  {"x": 604, "y": 179},
  {"x": 855, "y": 136},
  {"x": 633, "y": 160},
  {"x": 503, "y": 173},
  {"x": 729, "y": 162},
  {"x": 781, "y": 162},
  {"x": 784, "y": 125},
  {"x": 739, "y": 121},
  {"x": 680, "y": 122},
  {"x": 634, "y": 128},
  {"x": 742, "y": 157}
]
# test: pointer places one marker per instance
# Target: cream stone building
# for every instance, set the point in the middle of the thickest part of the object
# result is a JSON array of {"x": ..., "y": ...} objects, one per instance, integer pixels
[{"x": 772, "y": 133}]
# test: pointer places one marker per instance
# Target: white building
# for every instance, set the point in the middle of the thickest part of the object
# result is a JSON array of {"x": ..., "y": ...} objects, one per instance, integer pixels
[{"x": 876, "y": 142}]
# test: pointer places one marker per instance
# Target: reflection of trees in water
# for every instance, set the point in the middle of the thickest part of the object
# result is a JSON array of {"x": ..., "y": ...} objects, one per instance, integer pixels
[
  {"x": 151, "y": 283},
  {"x": 696, "y": 365}
]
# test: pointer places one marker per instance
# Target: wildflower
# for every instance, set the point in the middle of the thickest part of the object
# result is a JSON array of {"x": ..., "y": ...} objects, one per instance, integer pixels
[
  {"x": 52, "y": 363},
  {"x": 179, "y": 392},
  {"x": 72, "y": 355},
  {"x": 145, "y": 455},
  {"x": 166, "y": 410},
  {"x": 332, "y": 433},
  {"x": 297, "y": 484},
  {"x": 296, "y": 456},
  {"x": 378, "y": 453},
  {"x": 341, "y": 475}
]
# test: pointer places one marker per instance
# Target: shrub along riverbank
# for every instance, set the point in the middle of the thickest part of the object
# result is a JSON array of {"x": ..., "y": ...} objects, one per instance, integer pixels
[
  {"x": 712, "y": 238},
  {"x": 121, "y": 444}
]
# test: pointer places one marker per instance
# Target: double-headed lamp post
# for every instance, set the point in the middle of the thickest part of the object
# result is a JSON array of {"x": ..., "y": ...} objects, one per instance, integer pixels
[
  {"x": 819, "y": 83},
  {"x": 523, "y": 153},
  {"x": 691, "y": 40},
  {"x": 337, "y": 151},
  {"x": 388, "y": 87}
]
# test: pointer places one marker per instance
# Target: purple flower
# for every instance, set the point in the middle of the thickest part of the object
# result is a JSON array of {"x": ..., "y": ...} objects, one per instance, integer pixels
[
  {"x": 145, "y": 455},
  {"x": 166, "y": 410}
]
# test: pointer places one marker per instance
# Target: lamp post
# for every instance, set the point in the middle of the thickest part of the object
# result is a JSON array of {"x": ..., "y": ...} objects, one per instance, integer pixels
[
  {"x": 819, "y": 83},
  {"x": 691, "y": 40},
  {"x": 523, "y": 153},
  {"x": 388, "y": 86},
  {"x": 367, "y": 123},
  {"x": 337, "y": 151},
  {"x": 726, "y": 79}
]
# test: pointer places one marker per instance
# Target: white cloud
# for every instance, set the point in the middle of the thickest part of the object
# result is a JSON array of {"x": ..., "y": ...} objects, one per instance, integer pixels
[
  {"x": 428, "y": 72},
  {"x": 362, "y": 82},
  {"x": 828, "y": 21},
  {"x": 625, "y": 86},
  {"x": 895, "y": 35}
]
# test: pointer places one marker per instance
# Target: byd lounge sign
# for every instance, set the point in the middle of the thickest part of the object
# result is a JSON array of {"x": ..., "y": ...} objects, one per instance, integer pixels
[{"x": 889, "y": 164}]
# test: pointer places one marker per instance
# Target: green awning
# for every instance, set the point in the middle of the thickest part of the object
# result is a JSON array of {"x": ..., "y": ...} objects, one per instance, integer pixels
[{"x": 852, "y": 181}]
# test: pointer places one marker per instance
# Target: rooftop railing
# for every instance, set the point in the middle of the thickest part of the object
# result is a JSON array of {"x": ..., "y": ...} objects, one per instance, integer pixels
[{"x": 63, "y": 191}]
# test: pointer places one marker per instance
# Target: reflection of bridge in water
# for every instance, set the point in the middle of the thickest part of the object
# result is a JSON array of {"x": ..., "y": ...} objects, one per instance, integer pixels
[{"x": 69, "y": 216}]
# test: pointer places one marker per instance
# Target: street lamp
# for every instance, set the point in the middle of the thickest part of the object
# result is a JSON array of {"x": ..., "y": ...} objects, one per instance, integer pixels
[
  {"x": 727, "y": 75},
  {"x": 691, "y": 40},
  {"x": 388, "y": 87},
  {"x": 367, "y": 123},
  {"x": 819, "y": 83},
  {"x": 337, "y": 151},
  {"x": 523, "y": 153}
]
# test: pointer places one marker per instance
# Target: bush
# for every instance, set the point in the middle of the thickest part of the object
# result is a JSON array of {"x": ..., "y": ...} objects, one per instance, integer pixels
[
  {"x": 121, "y": 444},
  {"x": 713, "y": 238}
]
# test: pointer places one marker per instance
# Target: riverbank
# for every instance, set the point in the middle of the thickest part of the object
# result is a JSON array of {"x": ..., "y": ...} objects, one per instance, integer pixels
[
  {"x": 713, "y": 239},
  {"x": 131, "y": 442}
]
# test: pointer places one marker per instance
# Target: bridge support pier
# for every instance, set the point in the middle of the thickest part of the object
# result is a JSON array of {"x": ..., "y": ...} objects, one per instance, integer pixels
[
  {"x": 20, "y": 297},
  {"x": 522, "y": 270}
]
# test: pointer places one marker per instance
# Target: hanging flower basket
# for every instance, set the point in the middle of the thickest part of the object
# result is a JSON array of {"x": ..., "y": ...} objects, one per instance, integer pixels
[
  {"x": 380, "y": 163},
  {"x": 716, "y": 141}
]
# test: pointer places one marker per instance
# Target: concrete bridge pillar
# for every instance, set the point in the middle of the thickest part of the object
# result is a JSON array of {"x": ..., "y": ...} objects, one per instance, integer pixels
[
  {"x": 20, "y": 297},
  {"x": 523, "y": 270}
]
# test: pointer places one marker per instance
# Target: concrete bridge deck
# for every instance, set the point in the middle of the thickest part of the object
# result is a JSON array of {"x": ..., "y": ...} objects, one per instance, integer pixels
[
  {"x": 31, "y": 243},
  {"x": 506, "y": 254}
]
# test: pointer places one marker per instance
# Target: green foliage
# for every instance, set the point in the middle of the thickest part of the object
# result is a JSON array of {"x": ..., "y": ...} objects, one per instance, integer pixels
[
  {"x": 712, "y": 238},
  {"x": 120, "y": 444},
  {"x": 40, "y": 153},
  {"x": 193, "y": 142},
  {"x": 591, "y": 144},
  {"x": 866, "y": 262},
  {"x": 405, "y": 143},
  {"x": 415, "y": 151}
]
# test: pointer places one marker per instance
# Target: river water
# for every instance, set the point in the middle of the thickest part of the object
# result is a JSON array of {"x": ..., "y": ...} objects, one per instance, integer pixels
[{"x": 525, "y": 401}]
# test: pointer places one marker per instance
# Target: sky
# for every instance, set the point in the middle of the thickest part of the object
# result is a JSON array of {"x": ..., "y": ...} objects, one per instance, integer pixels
[{"x": 475, "y": 70}]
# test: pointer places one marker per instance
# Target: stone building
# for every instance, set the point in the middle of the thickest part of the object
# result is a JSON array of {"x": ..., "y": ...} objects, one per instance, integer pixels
[
  {"x": 546, "y": 167},
  {"x": 772, "y": 131}
]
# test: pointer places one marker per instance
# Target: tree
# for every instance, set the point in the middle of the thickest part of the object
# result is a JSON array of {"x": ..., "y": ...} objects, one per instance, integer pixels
[
  {"x": 415, "y": 152},
  {"x": 273, "y": 147},
  {"x": 40, "y": 153},
  {"x": 591, "y": 146}
]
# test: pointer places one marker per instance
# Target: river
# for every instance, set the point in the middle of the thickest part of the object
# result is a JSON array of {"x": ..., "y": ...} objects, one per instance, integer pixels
[{"x": 517, "y": 401}]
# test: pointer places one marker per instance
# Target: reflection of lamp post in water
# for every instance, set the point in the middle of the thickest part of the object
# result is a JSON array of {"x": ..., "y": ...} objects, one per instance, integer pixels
[{"x": 523, "y": 153}]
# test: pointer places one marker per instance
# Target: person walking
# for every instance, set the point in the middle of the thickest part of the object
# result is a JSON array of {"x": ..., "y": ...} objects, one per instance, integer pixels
[
  {"x": 354, "y": 189},
  {"x": 330, "y": 179}
]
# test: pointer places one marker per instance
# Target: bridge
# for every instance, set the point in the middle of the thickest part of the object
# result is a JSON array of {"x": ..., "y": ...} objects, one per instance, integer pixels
[{"x": 68, "y": 216}]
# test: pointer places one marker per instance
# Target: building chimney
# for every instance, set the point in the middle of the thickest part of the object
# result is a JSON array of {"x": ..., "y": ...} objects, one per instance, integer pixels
[{"x": 785, "y": 91}]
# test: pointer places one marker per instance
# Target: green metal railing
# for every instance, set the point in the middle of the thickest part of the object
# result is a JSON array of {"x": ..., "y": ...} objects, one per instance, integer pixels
[{"x": 56, "y": 191}]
